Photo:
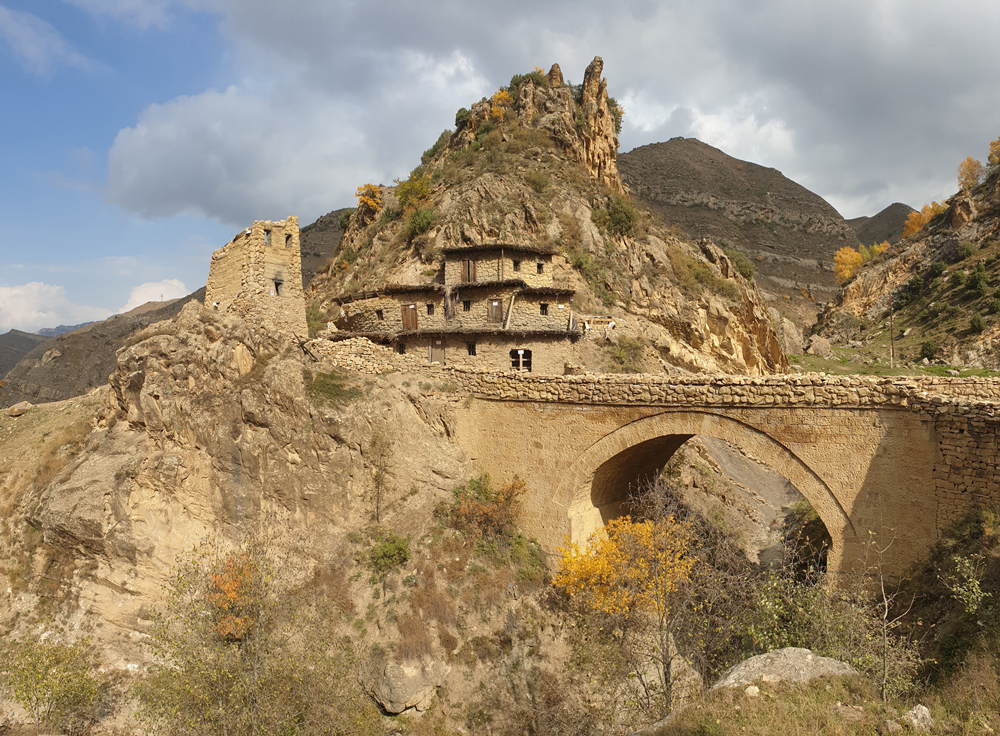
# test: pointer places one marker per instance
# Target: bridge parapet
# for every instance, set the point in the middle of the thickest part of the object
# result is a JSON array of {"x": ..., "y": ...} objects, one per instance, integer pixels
[{"x": 928, "y": 393}]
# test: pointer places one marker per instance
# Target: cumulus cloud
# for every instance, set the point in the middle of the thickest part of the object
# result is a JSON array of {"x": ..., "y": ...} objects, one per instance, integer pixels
[
  {"x": 33, "y": 306},
  {"x": 154, "y": 291},
  {"x": 141, "y": 13},
  {"x": 860, "y": 100},
  {"x": 38, "y": 46}
]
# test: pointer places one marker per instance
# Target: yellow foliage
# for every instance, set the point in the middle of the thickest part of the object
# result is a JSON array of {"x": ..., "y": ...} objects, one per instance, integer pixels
[
  {"x": 369, "y": 195},
  {"x": 628, "y": 566},
  {"x": 970, "y": 173},
  {"x": 845, "y": 262},
  {"x": 917, "y": 220},
  {"x": 500, "y": 100},
  {"x": 994, "y": 158}
]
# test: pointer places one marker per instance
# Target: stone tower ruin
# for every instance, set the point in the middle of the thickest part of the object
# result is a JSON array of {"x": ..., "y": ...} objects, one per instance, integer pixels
[{"x": 258, "y": 277}]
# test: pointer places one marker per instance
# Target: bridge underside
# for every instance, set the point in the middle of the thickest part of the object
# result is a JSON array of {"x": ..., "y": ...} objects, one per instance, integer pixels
[{"x": 866, "y": 472}]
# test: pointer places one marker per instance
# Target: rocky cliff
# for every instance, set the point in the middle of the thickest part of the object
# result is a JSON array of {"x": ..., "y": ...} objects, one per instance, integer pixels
[
  {"x": 789, "y": 233},
  {"x": 938, "y": 280},
  {"x": 536, "y": 165}
]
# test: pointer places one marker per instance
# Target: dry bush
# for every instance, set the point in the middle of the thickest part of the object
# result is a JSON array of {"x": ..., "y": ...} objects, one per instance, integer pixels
[
  {"x": 60, "y": 450},
  {"x": 434, "y": 603},
  {"x": 448, "y": 641},
  {"x": 331, "y": 581},
  {"x": 414, "y": 641}
]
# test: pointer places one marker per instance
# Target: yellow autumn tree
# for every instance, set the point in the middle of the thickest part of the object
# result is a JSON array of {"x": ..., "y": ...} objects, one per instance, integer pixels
[
  {"x": 918, "y": 220},
  {"x": 500, "y": 100},
  {"x": 993, "y": 160},
  {"x": 970, "y": 173},
  {"x": 845, "y": 262},
  {"x": 369, "y": 202}
]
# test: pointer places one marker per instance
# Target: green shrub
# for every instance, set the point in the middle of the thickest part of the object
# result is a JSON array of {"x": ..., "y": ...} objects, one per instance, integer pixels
[
  {"x": 389, "y": 552},
  {"x": 937, "y": 268},
  {"x": 53, "y": 683},
  {"x": 994, "y": 306},
  {"x": 977, "y": 323},
  {"x": 979, "y": 281},
  {"x": 741, "y": 263},
  {"x": 334, "y": 387},
  {"x": 966, "y": 249},
  {"x": 439, "y": 144},
  {"x": 626, "y": 356},
  {"x": 345, "y": 218},
  {"x": 462, "y": 117},
  {"x": 315, "y": 318},
  {"x": 413, "y": 189},
  {"x": 517, "y": 81},
  {"x": 420, "y": 221},
  {"x": 958, "y": 278},
  {"x": 623, "y": 217},
  {"x": 927, "y": 349},
  {"x": 537, "y": 180},
  {"x": 617, "y": 113}
]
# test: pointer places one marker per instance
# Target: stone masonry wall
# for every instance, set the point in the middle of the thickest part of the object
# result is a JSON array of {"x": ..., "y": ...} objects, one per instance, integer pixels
[
  {"x": 258, "y": 277},
  {"x": 964, "y": 412},
  {"x": 491, "y": 267}
]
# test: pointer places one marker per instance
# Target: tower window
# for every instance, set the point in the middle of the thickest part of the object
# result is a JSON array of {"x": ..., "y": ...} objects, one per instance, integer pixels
[
  {"x": 288, "y": 241},
  {"x": 543, "y": 309},
  {"x": 517, "y": 265},
  {"x": 277, "y": 287},
  {"x": 378, "y": 314},
  {"x": 541, "y": 267},
  {"x": 267, "y": 237},
  {"x": 430, "y": 309},
  {"x": 472, "y": 347},
  {"x": 467, "y": 305}
]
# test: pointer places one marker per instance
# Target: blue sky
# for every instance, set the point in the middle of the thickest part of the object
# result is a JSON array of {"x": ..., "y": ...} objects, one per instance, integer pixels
[{"x": 139, "y": 135}]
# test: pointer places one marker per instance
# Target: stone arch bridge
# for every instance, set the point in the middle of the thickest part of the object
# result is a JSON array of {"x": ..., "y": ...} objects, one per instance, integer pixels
[{"x": 898, "y": 458}]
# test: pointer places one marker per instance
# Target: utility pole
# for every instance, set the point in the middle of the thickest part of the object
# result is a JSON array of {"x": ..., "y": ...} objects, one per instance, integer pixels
[{"x": 892, "y": 338}]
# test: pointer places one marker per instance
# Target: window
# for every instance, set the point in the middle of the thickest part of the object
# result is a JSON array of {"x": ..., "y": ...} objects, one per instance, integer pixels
[
  {"x": 430, "y": 309},
  {"x": 543, "y": 309},
  {"x": 288, "y": 241},
  {"x": 471, "y": 347},
  {"x": 267, "y": 237},
  {"x": 467, "y": 305},
  {"x": 401, "y": 348},
  {"x": 277, "y": 287},
  {"x": 541, "y": 267},
  {"x": 494, "y": 311},
  {"x": 520, "y": 360},
  {"x": 468, "y": 272},
  {"x": 517, "y": 265},
  {"x": 409, "y": 315},
  {"x": 378, "y": 313}
]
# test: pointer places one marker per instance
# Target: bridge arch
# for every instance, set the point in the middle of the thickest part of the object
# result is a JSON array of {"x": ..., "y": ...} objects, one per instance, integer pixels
[{"x": 594, "y": 487}]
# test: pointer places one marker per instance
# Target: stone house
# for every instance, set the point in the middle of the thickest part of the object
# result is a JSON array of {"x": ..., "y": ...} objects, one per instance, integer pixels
[
  {"x": 497, "y": 309},
  {"x": 258, "y": 277}
]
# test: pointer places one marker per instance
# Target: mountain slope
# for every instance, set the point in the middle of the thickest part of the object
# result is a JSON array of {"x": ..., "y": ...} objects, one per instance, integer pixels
[
  {"x": 14, "y": 345},
  {"x": 886, "y": 225},
  {"x": 942, "y": 283},
  {"x": 75, "y": 362},
  {"x": 789, "y": 233},
  {"x": 539, "y": 169}
]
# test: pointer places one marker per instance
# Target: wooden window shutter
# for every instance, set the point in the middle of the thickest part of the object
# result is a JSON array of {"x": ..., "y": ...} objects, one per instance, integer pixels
[{"x": 409, "y": 316}]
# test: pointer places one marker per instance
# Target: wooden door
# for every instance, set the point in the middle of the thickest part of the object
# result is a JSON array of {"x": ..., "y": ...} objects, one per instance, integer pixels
[
  {"x": 468, "y": 272},
  {"x": 409, "y": 316},
  {"x": 437, "y": 350},
  {"x": 494, "y": 311}
]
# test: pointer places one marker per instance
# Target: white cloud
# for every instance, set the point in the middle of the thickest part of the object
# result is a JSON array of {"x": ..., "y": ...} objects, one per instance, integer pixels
[
  {"x": 38, "y": 46},
  {"x": 740, "y": 133},
  {"x": 33, "y": 306},
  {"x": 154, "y": 291},
  {"x": 141, "y": 13}
]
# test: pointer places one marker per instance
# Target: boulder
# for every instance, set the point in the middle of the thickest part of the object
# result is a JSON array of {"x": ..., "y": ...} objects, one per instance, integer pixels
[
  {"x": 411, "y": 685},
  {"x": 792, "y": 663},
  {"x": 819, "y": 346},
  {"x": 20, "y": 408},
  {"x": 919, "y": 718}
]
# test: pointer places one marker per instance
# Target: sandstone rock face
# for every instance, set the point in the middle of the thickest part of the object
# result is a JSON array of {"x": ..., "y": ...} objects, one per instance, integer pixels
[
  {"x": 792, "y": 664},
  {"x": 209, "y": 430},
  {"x": 410, "y": 685}
]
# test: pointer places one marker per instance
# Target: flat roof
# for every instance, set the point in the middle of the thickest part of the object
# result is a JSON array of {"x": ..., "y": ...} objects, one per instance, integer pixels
[
  {"x": 476, "y": 332},
  {"x": 514, "y": 247}
]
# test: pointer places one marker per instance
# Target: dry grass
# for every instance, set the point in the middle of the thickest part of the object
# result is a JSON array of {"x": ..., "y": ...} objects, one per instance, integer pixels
[
  {"x": 59, "y": 450},
  {"x": 414, "y": 639},
  {"x": 435, "y": 604}
]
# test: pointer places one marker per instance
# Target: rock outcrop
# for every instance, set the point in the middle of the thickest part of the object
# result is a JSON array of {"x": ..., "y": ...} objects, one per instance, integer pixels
[{"x": 792, "y": 664}]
